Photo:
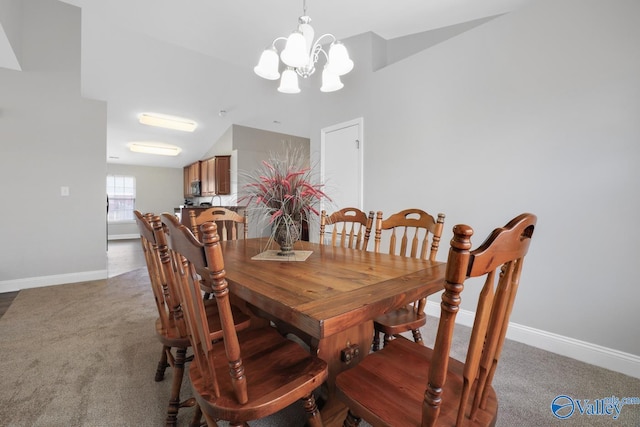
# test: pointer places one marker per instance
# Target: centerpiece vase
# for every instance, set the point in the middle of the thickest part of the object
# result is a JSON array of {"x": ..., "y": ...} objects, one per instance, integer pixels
[{"x": 285, "y": 235}]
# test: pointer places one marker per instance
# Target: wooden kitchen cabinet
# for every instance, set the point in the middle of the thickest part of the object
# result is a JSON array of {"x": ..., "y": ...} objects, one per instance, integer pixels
[
  {"x": 208, "y": 177},
  {"x": 185, "y": 182},
  {"x": 216, "y": 175},
  {"x": 223, "y": 174},
  {"x": 191, "y": 173}
]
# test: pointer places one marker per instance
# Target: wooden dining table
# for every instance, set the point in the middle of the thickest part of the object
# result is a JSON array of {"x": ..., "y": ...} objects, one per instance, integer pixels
[{"x": 328, "y": 300}]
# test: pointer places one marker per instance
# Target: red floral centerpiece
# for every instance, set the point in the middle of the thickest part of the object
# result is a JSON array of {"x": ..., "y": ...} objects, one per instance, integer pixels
[{"x": 282, "y": 189}]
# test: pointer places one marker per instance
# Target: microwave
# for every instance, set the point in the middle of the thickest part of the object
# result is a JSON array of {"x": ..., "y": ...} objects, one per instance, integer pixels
[{"x": 195, "y": 188}]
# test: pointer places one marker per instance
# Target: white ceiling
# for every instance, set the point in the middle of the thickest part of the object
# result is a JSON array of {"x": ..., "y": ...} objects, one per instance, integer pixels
[{"x": 195, "y": 58}]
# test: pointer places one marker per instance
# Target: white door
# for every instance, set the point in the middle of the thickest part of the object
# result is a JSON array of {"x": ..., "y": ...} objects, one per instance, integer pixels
[{"x": 341, "y": 162}]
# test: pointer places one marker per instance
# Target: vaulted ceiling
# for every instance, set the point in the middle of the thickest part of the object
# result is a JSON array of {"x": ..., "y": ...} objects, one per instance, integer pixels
[{"x": 195, "y": 59}]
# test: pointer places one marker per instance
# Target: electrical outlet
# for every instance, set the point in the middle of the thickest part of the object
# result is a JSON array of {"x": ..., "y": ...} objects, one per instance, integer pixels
[{"x": 64, "y": 191}]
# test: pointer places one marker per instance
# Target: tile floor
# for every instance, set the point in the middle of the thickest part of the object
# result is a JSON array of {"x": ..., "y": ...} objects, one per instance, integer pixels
[{"x": 122, "y": 256}]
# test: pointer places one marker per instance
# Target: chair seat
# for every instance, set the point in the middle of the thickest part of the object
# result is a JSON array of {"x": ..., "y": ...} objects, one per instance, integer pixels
[
  {"x": 400, "y": 320},
  {"x": 392, "y": 383},
  {"x": 171, "y": 336},
  {"x": 279, "y": 372}
]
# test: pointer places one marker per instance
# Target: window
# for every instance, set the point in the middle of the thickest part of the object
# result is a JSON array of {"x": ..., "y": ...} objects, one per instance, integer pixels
[{"x": 121, "y": 191}]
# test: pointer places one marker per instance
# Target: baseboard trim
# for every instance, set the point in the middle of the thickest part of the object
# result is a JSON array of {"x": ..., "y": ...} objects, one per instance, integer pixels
[
  {"x": 123, "y": 236},
  {"x": 58, "y": 279},
  {"x": 594, "y": 354}
]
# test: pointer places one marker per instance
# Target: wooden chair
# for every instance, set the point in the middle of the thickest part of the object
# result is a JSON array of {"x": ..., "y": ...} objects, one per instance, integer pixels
[
  {"x": 171, "y": 328},
  {"x": 349, "y": 228},
  {"x": 410, "y": 231},
  {"x": 406, "y": 384},
  {"x": 250, "y": 374},
  {"x": 228, "y": 221}
]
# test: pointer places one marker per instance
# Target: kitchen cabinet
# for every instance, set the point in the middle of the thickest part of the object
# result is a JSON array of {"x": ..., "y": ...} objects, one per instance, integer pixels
[
  {"x": 191, "y": 173},
  {"x": 208, "y": 177},
  {"x": 215, "y": 174},
  {"x": 223, "y": 174}
]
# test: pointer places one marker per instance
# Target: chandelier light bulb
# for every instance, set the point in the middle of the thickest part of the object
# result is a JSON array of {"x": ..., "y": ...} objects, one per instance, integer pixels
[
  {"x": 295, "y": 53},
  {"x": 267, "y": 68},
  {"x": 330, "y": 81},
  {"x": 289, "y": 82},
  {"x": 339, "y": 61}
]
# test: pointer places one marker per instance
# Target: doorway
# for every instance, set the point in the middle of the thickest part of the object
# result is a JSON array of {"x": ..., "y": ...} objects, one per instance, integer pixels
[{"x": 341, "y": 160}]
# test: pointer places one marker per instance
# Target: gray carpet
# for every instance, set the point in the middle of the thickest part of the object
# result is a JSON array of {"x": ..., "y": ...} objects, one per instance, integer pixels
[{"x": 85, "y": 355}]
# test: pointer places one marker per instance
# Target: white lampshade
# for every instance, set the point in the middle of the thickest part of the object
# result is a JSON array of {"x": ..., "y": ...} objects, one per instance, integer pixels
[
  {"x": 339, "y": 61},
  {"x": 330, "y": 81},
  {"x": 289, "y": 82},
  {"x": 267, "y": 68},
  {"x": 295, "y": 53}
]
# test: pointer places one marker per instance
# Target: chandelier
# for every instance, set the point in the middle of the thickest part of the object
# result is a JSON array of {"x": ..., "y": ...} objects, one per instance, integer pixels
[{"x": 300, "y": 55}]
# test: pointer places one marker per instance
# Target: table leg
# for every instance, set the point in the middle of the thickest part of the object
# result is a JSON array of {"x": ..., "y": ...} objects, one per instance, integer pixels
[{"x": 331, "y": 349}]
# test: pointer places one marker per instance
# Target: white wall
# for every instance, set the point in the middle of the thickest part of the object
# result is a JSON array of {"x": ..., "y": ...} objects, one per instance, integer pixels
[
  {"x": 158, "y": 190},
  {"x": 536, "y": 111},
  {"x": 50, "y": 138}
]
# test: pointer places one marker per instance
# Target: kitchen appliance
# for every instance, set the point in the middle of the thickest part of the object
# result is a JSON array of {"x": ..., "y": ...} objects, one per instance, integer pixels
[{"x": 195, "y": 188}]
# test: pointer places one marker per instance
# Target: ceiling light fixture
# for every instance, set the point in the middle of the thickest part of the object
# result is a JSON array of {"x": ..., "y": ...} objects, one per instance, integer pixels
[
  {"x": 154, "y": 148},
  {"x": 166, "y": 121},
  {"x": 300, "y": 55}
]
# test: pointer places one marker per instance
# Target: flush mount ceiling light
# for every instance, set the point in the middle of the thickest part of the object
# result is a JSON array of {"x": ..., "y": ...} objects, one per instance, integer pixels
[
  {"x": 300, "y": 55},
  {"x": 166, "y": 121},
  {"x": 154, "y": 148}
]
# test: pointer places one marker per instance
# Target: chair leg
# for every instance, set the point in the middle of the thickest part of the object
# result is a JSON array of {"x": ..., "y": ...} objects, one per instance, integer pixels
[
  {"x": 162, "y": 364},
  {"x": 313, "y": 414},
  {"x": 174, "y": 400},
  {"x": 352, "y": 420},
  {"x": 388, "y": 338},
  {"x": 417, "y": 336},
  {"x": 210, "y": 421},
  {"x": 376, "y": 341},
  {"x": 197, "y": 417}
]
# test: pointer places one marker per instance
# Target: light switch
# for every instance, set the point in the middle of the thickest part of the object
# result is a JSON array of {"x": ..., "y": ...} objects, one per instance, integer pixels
[{"x": 64, "y": 191}]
